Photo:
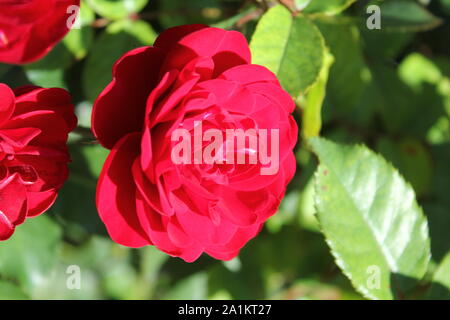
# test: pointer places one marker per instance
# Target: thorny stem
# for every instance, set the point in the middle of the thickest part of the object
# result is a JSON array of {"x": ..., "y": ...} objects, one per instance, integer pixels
[
  {"x": 249, "y": 17},
  {"x": 290, "y": 5}
]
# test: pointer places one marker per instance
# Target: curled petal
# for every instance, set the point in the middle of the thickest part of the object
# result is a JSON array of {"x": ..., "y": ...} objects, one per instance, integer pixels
[
  {"x": 116, "y": 194},
  {"x": 116, "y": 113}
]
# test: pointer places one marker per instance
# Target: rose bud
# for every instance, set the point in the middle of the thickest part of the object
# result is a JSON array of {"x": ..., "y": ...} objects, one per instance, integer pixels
[
  {"x": 34, "y": 125},
  {"x": 30, "y": 29},
  {"x": 174, "y": 177}
]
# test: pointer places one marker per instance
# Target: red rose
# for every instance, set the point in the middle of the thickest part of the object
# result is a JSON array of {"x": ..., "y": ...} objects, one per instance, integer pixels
[
  {"x": 193, "y": 74},
  {"x": 34, "y": 124},
  {"x": 29, "y": 29}
]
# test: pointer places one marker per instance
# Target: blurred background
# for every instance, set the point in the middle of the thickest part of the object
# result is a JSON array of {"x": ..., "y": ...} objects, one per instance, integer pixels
[{"x": 388, "y": 88}]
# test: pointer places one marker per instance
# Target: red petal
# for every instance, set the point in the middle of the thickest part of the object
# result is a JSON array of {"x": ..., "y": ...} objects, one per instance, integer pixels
[
  {"x": 32, "y": 28},
  {"x": 120, "y": 108},
  {"x": 6, "y": 228},
  {"x": 39, "y": 202},
  {"x": 7, "y": 102},
  {"x": 249, "y": 73},
  {"x": 172, "y": 35},
  {"x": 13, "y": 199},
  {"x": 227, "y": 48},
  {"x": 116, "y": 194},
  {"x": 54, "y": 99},
  {"x": 19, "y": 137}
]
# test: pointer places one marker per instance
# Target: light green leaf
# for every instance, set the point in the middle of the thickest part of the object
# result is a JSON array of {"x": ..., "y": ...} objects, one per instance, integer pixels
[
  {"x": 117, "y": 9},
  {"x": 115, "y": 41},
  {"x": 328, "y": 6},
  {"x": 405, "y": 15},
  {"x": 30, "y": 255},
  {"x": 10, "y": 291},
  {"x": 301, "y": 4},
  {"x": 312, "y": 110},
  {"x": 416, "y": 69},
  {"x": 375, "y": 228},
  {"x": 292, "y": 48}
]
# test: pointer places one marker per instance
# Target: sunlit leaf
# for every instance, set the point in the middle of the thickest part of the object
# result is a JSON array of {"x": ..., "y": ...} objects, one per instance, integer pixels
[
  {"x": 292, "y": 48},
  {"x": 371, "y": 220}
]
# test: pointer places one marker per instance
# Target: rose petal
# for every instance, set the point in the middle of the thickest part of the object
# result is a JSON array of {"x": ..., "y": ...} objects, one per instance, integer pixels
[
  {"x": 13, "y": 200},
  {"x": 120, "y": 108},
  {"x": 116, "y": 194},
  {"x": 7, "y": 103},
  {"x": 229, "y": 49},
  {"x": 39, "y": 202}
]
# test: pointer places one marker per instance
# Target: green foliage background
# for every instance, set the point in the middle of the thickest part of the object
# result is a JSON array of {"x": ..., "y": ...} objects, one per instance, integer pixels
[{"x": 372, "y": 191}]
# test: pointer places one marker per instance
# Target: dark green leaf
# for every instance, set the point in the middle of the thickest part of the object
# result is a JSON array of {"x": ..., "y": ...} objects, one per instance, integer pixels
[
  {"x": 405, "y": 15},
  {"x": 115, "y": 41}
]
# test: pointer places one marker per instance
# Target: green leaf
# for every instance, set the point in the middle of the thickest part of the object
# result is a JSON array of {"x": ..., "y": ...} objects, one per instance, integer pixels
[
  {"x": 117, "y": 9},
  {"x": 393, "y": 43},
  {"x": 49, "y": 71},
  {"x": 194, "y": 287},
  {"x": 115, "y": 41},
  {"x": 445, "y": 5},
  {"x": 178, "y": 12},
  {"x": 440, "y": 288},
  {"x": 347, "y": 96},
  {"x": 292, "y": 48},
  {"x": 10, "y": 291},
  {"x": 328, "y": 6},
  {"x": 75, "y": 205},
  {"x": 312, "y": 110},
  {"x": 412, "y": 159},
  {"x": 416, "y": 69},
  {"x": 416, "y": 111},
  {"x": 30, "y": 255},
  {"x": 405, "y": 15},
  {"x": 439, "y": 224},
  {"x": 4, "y": 68},
  {"x": 301, "y": 4},
  {"x": 370, "y": 219}
]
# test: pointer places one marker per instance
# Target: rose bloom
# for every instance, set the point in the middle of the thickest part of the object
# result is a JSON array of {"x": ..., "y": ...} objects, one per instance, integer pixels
[
  {"x": 30, "y": 28},
  {"x": 192, "y": 73},
  {"x": 34, "y": 125}
]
